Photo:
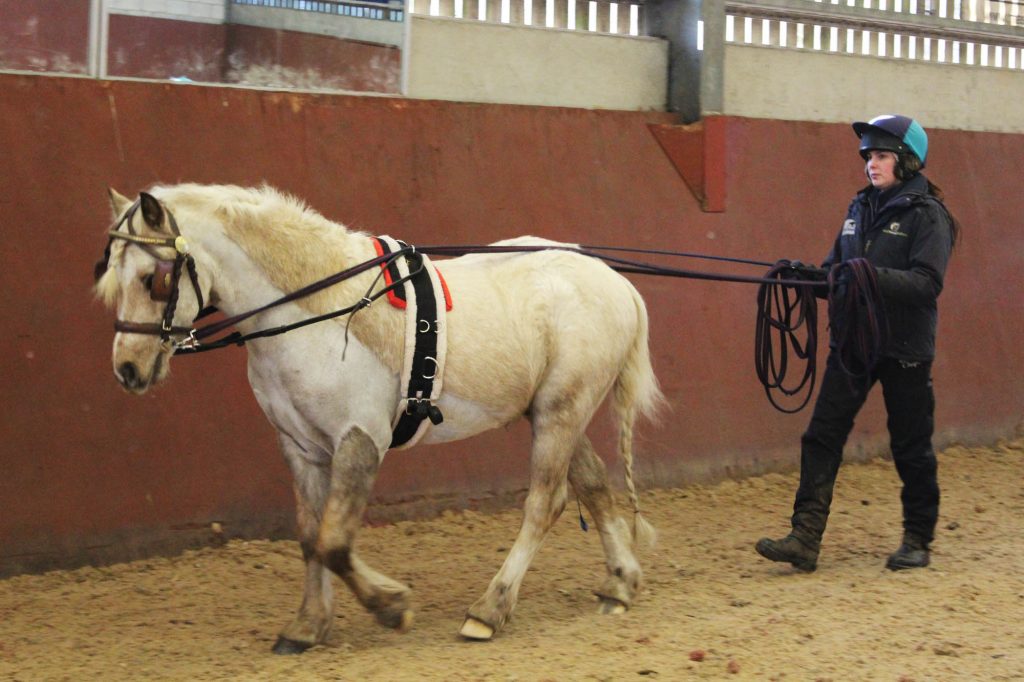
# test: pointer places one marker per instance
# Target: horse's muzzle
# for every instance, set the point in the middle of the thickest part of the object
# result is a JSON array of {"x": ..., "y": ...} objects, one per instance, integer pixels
[{"x": 130, "y": 378}]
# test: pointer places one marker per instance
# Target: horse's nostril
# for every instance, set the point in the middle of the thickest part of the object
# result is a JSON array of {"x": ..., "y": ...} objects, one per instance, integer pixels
[{"x": 129, "y": 375}]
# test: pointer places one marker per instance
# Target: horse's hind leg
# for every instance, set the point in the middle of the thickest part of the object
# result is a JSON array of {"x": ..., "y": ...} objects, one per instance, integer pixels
[
  {"x": 313, "y": 621},
  {"x": 553, "y": 437},
  {"x": 590, "y": 482},
  {"x": 352, "y": 475}
]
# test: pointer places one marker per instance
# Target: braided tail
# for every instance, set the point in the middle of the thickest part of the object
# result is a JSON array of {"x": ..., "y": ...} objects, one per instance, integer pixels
[
  {"x": 635, "y": 393},
  {"x": 643, "y": 532}
]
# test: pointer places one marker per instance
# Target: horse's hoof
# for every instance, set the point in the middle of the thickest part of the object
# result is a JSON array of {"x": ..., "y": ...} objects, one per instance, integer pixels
[
  {"x": 288, "y": 647},
  {"x": 608, "y": 606},
  {"x": 405, "y": 622},
  {"x": 476, "y": 630},
  {"x": 400, "y": 621}
]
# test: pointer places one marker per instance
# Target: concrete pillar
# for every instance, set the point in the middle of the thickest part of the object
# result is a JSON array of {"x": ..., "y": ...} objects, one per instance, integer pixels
[
  {"x": 559, "y": 12},
  {"x": 581, "y": 10},
  {"x": 599, "y": 10},
  {"x": 695, "y": 77},
  {"x": 763, "y": 32},
  {"x": 445, "y": 8},
  {"x": 515, "y": 12}
]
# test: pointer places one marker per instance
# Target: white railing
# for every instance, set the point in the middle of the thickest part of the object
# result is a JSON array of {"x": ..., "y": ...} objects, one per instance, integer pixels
[
  {"x": 998, "y": 12},
  {"x": 967, "y": 32},
  {"x": 598, "y": 16}
]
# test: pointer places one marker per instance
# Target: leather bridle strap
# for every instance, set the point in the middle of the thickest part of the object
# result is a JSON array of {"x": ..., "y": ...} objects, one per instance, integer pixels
[
  {"x": 165, "y": 328},
  {"x": 152, "y": 328}
]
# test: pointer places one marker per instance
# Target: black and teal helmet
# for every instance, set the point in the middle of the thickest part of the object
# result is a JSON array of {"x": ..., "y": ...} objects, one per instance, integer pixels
[{"x": 892, "y": 132}]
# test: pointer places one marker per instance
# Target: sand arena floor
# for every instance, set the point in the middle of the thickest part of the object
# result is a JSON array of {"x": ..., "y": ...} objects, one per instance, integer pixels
[{"x": 214, "y": 614}]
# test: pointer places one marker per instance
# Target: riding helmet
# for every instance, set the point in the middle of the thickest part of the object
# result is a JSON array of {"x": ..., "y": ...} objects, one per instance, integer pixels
[{"x": 892, "y": 132}]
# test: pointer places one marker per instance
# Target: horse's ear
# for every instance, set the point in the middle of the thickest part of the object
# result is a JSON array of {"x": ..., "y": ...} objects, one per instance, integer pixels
[
  {"x": 118, "y": 202},
  {"x": 152, "y": 211}
]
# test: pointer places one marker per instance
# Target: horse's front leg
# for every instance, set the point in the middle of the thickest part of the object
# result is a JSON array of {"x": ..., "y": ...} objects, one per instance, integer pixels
[
  {"x": 312, "y": 624},
  {"x": 589, "y": 480},
  {"x": 353, "y": 472}
]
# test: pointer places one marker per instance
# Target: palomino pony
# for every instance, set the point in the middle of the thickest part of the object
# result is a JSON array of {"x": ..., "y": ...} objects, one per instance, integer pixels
[{"x": 545, "y": 334}]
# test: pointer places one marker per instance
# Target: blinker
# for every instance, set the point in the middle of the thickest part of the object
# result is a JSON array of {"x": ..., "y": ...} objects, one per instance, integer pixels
[{"x": 163, "y": 281}]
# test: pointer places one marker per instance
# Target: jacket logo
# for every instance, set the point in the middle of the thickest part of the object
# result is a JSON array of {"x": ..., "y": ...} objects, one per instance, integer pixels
[
  {"x": 850, "y": 227},
  {"x": 894, "y": 229}
]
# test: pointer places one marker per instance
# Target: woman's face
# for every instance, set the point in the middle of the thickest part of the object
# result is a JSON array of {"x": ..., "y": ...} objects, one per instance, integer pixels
[{"x": 881, "y": 169}]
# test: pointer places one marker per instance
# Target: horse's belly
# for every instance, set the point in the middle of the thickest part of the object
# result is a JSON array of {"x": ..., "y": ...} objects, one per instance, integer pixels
[{"x": 464, "y": 418}]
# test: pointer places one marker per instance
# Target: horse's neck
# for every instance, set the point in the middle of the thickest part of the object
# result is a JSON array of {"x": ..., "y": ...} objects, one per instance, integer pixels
[{"x": 252, "y": 268}]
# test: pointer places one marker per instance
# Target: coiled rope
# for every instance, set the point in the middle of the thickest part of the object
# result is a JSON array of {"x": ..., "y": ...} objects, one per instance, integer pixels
[
  {"x": 782, "y": 312},
  {"x": 787, "y": 320},
  {"x": 857, "y": 317}
]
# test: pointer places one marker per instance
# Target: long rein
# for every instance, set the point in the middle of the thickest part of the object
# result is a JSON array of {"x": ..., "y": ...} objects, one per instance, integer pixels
[
  {"x": 786, "y": 304},
  {"x": 193, "y": 342}
]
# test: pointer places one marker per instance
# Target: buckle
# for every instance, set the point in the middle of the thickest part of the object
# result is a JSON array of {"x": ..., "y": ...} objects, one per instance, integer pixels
[
  {"x": 190, "y": 342},
  {"x": 424, "y": 409}
]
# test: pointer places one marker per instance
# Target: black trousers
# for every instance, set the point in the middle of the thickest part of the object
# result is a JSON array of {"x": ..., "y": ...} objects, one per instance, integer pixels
[{"x": 910, "y": 404}]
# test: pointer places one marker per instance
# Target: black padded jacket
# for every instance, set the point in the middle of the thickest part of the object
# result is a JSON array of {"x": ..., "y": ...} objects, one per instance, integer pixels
[{"x": 907, "y": 235}]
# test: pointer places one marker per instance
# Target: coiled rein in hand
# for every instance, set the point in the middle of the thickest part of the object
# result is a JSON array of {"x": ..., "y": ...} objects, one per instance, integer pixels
[
  {"x": 787, "y": 319},
  {"x": 857, "y": 317},
  {"x": 785, "y": 310}
]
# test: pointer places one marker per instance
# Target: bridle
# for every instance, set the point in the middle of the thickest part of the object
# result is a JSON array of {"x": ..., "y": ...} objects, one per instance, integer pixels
[{"x": 164, "y": 282}]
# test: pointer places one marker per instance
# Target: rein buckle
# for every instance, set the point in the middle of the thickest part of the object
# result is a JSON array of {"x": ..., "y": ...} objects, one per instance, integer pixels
[{"x": 190, "y": 342}]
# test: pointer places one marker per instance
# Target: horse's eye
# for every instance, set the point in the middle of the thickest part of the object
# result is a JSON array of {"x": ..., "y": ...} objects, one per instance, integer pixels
[{"x": 147, "y": 281}]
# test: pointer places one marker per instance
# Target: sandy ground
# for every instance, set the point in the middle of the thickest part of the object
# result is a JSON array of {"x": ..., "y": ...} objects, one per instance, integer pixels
[{"x": 214, "y": 614}]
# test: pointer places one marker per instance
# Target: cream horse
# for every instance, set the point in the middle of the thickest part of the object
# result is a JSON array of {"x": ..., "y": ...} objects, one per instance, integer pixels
[{"x": 545, "y": 334}]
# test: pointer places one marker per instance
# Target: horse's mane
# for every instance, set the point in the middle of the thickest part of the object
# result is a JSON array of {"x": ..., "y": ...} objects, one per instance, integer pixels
[
  {"x": 293, "y": 243},
  {"x": 265, "y": 210}
]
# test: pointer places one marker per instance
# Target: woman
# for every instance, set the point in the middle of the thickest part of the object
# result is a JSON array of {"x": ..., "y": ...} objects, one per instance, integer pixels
[{"x": 898, "y": 224}]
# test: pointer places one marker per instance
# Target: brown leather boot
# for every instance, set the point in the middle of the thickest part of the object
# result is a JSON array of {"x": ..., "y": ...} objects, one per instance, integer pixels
[{"x": 789, "y": 549}]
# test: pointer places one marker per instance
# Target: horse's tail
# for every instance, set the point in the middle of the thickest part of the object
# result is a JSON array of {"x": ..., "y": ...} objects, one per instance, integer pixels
[{"x": 636, "y": 393}]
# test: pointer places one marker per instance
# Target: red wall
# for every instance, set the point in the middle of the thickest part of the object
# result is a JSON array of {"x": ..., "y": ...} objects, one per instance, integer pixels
[
  {"x": 92, "y": 474},
  {"x": 52, "y": 36},
  {"x": 44, "y": 35},
  {"x": 310, "y": 60},
  {"x": 147, "y": 47}
]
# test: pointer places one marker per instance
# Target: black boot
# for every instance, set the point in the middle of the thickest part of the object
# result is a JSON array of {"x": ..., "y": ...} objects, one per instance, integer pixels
[
  {"x": 913, "y": 553},
  {"x": 789, "y": 549}
]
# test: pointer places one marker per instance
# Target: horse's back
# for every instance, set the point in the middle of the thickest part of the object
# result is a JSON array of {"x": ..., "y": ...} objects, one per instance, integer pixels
[
  {"x": 536, "y": 289},
  {"x": 520, "y": 319}
]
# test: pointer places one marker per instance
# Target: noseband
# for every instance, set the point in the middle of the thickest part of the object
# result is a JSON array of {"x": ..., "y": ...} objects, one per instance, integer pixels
[{"x": 165, "y": 280}]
